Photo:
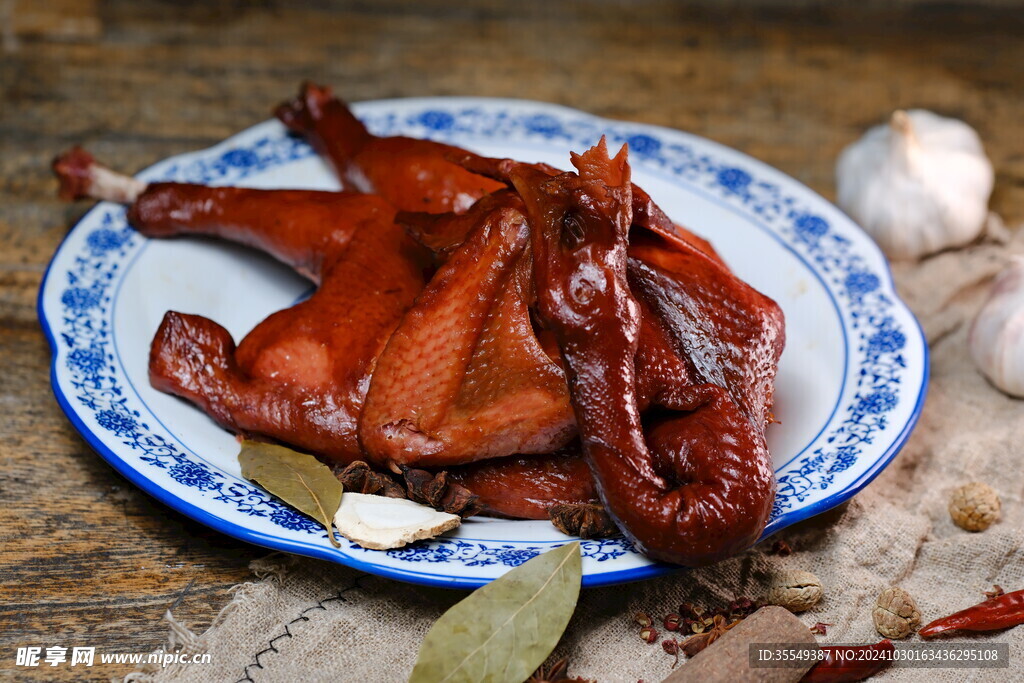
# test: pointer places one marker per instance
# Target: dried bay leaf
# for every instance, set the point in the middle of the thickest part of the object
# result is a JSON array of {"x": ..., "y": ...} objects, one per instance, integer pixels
[
  {"x": 503, "y": 631},
  {"x": 298, "y": 479}
]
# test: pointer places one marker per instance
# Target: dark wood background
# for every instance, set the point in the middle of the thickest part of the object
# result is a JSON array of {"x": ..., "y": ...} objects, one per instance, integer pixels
[{"x": 88, "y": 560}]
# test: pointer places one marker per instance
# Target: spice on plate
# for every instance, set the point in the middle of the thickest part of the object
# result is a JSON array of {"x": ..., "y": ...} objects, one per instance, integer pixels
[
  {"x": 435, "y": 490},
  {"x": 380, "y": 523},
  {"x": 974, "y": 506},
  {"x": 896, "y": 614},
  {"x": 795, "y": 590},
  {"x": 359, "y": 477},
  {"x": 1001, "y": 611},
  {"x": 586, "y": 520},
  {"x": 298, "y": 479},
  {"x": 419, "y": 486}
]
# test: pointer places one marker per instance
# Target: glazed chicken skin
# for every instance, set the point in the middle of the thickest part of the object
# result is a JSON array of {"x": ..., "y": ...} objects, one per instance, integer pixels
[
  {"x": 299, "y": 376},
  {"x": 531, "y": 307},
  {"x": 529, "y": 486},
  {"x": 695, "y": 483},
  {"x": 464, "y": 377},
  {"x": 301, "y": 229},
  {"x": 494, "y": 389},
  {"x": 703, "y": 347},
  {"x": 411, "y": 174},
  {"x": 302, "y": 374}
]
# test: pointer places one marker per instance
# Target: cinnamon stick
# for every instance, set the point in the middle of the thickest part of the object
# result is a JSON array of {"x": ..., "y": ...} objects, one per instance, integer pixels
[{"x": 728, "y": 658}]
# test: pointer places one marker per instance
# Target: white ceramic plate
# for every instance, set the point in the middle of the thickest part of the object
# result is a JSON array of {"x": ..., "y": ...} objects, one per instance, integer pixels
[{"x": 850, "y": 386}]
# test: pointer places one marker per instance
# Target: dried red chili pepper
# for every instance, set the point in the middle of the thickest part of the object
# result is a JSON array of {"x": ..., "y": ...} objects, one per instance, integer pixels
[
  {"x": 855, "y": 663},
  {"x": 1001, "y": 611}
]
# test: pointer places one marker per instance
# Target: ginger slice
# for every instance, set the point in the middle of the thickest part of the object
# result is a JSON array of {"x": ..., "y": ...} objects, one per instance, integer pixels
[{"x": 380, "y": 523}]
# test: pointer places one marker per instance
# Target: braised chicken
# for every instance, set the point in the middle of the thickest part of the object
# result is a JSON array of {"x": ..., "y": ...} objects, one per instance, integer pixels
[{"x": 550, "y": 339}]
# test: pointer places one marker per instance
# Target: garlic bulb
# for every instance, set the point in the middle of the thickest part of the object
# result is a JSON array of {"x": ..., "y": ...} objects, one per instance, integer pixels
[
  {"x": 997, "y": 335},
  {"x": 917, "y": 185}
]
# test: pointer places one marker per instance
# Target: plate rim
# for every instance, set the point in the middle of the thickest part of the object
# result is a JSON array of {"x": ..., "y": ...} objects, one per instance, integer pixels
[{"x": 240, "y": 532}]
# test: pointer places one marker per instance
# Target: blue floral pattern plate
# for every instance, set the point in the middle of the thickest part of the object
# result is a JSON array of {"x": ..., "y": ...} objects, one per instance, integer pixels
[{"x": 850, "y": 386}]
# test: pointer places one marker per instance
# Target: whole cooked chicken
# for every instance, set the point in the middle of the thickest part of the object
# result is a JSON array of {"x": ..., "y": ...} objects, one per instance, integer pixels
[{"x": 551, "y": 340}]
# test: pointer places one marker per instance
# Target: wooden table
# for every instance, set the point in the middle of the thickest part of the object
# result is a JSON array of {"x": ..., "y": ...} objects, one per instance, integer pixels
[{"x": 89, "y": 560}]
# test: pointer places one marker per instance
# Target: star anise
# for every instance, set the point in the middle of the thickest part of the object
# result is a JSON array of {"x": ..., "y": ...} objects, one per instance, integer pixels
[
  {"x": 556, "y": 673},
  {"x": 425, "y": 487},
  {"x": 436, "y": 491},
  {"x": 694, "y": 644},
  {"x": 359, "y": 477},
  {"x": 420, "y": 486},
  {"x": 585, "y": 520}
]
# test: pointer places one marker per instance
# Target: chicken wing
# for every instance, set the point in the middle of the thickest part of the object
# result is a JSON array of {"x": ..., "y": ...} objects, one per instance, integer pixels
[
  {"x": 411, "y": 174},
  {"x": 464, "y": 378}
]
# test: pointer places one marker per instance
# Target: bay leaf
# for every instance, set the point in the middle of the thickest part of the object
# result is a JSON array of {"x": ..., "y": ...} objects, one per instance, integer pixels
[
  {"x": 298, "y": 479},
  {"x": 503, "y": 631}
]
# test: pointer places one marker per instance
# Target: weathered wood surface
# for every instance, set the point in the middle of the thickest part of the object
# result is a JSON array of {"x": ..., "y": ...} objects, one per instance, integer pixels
[{"x": 87, "y": 559}]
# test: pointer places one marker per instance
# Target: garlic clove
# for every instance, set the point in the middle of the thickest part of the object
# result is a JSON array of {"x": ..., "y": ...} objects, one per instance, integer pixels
[
  {"x": 380, "y": 523},
  {"x": 917, "y": 185},
  {"x": 997, "y": 335}
]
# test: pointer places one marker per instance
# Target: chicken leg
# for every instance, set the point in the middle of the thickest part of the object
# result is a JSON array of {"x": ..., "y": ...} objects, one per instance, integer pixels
[{"x": 300, "y": 376}]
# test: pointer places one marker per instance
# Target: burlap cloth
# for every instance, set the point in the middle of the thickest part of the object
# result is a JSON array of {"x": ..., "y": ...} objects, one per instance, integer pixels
[{"x": 310, "y": 620}]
